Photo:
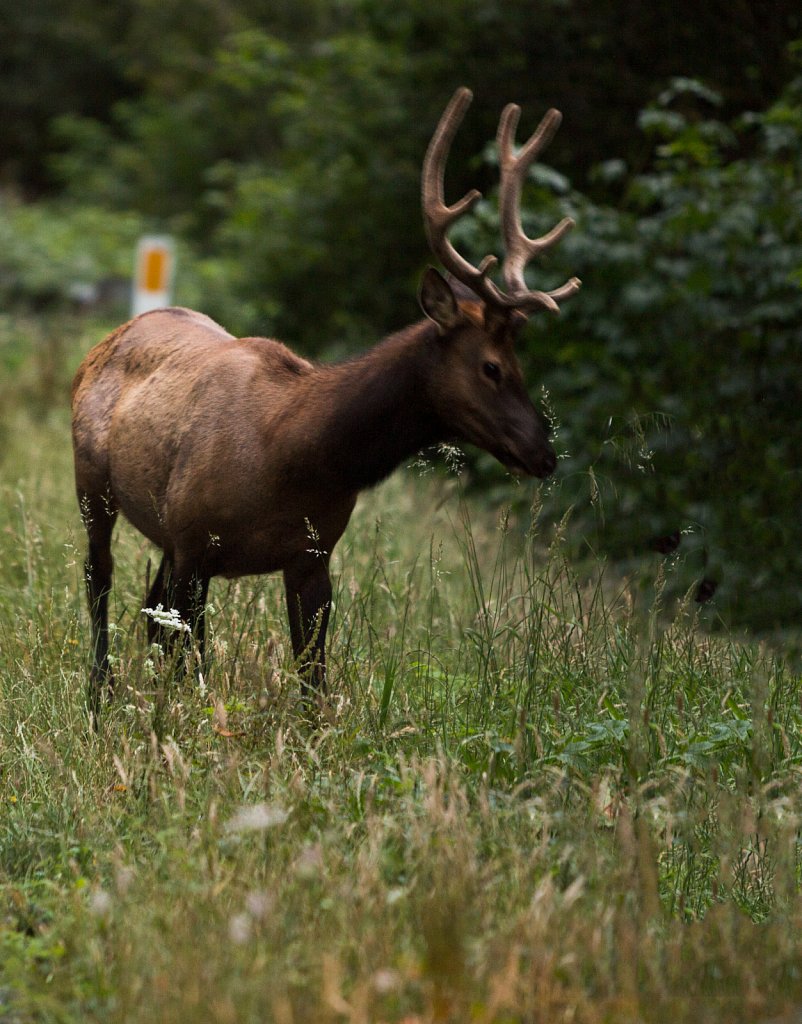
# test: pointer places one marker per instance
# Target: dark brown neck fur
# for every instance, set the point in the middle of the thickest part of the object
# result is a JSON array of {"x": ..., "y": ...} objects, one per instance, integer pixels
[{"x": 378, "y": 410}]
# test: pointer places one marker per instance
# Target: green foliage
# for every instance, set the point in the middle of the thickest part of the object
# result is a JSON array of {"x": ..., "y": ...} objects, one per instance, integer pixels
[
  {"x": 674, "y": 372},
  {"x": 335, "y": 180},
  {"x": 309, "y": 167},
  {"x": 287, "y": 143},
  {"x": 48, "y": 252}
]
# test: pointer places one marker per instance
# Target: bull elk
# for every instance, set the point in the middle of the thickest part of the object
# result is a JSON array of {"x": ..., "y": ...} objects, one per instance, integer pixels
[{"x": 226, "y": 452}]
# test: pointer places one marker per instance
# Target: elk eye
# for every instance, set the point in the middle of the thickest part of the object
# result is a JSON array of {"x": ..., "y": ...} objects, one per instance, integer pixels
[{"x": 492, "y": 371}]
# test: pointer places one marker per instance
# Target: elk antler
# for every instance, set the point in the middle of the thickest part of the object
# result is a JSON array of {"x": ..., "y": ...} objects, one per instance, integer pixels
[{"x": 519, "y": 249}]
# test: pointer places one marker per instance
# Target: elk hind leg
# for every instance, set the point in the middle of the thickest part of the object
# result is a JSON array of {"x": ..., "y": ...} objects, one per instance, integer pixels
[
  {"x": 187, "y": 591},
  {"x": 159, "y": 594},
  {"x": 308, "y": 590},
  {"x": 99, "y": 515}
]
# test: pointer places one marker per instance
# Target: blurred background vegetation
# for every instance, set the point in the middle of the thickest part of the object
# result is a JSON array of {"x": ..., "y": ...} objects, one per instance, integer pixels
[{"x": 281, "y": 143}]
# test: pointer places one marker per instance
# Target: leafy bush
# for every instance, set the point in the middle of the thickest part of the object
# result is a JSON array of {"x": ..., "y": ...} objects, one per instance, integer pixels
[
  {"x": 677, "y": 369},
  {"x": 51, "y": 252}
]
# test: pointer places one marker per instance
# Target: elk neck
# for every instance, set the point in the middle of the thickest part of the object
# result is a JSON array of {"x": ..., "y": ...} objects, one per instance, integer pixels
[{"x": 377, "y": 408}]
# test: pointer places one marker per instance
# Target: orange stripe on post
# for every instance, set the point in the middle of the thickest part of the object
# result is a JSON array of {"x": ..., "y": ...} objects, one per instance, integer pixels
[{"x": 155, "y": 275}]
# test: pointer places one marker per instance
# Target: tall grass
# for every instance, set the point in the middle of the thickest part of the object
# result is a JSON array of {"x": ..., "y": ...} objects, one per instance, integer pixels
[{"x": 532, "y": 797}]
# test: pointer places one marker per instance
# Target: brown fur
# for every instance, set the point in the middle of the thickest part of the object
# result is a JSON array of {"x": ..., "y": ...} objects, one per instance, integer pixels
[{"x": 236, "y": 456}]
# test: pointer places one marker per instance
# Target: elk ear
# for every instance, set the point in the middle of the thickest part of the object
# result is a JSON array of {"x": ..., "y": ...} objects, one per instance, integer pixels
[{"x": 437, "y": 300}]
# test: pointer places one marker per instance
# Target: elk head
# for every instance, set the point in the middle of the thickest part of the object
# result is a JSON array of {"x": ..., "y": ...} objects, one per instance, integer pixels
[{"x": 477, "y": 370}]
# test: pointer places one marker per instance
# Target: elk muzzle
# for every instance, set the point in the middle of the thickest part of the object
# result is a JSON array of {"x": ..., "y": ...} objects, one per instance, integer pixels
[{"x": 525, "y": 450}]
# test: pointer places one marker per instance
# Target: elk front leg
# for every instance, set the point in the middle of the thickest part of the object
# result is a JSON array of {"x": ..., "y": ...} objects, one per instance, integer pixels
[{"x": 308, "y": 589}]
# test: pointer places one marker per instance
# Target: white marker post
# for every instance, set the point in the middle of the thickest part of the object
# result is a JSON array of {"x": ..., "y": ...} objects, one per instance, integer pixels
[{"x": 154, "y": 270}]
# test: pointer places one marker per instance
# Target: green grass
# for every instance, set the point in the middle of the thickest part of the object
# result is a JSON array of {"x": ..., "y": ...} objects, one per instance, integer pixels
[{"x": 532, "y": 797}]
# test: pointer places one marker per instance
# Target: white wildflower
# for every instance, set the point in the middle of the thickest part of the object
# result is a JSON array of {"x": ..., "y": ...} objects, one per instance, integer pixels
[
  {"x": 239, "y": 929},
  {"x": 256, "y": 818},
  {"x": 259, "y": 904},
  {"x": 170, "y": 619},
  {"x": 100, "y": 903},
  {"x": 386, "y": 980}
]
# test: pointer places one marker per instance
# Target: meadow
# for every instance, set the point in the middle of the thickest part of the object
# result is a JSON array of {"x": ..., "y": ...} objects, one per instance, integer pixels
[{"x": 533, "y": 795}]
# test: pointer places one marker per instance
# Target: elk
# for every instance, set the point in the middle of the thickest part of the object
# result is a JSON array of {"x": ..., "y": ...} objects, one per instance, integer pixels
[{"x": 226, "y": 453}]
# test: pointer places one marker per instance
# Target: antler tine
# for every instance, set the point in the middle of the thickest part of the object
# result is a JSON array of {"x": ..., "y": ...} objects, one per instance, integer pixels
[
  {"x": 519, "y": 248},
  {"x": 565, "y": 291},
  {"x": 438, "y": 217}
]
